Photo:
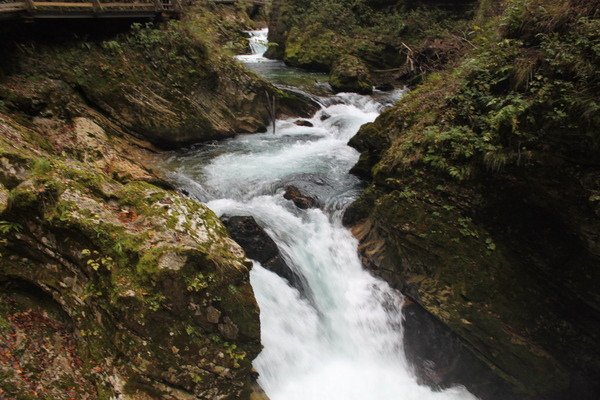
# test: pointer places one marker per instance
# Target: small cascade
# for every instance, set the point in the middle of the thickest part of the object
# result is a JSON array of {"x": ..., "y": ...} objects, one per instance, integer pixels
[{"x": 258, "y": 47}]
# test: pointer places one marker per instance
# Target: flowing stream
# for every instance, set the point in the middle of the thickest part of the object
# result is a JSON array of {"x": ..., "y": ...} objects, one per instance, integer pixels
[{"x": 340, "y": 336}]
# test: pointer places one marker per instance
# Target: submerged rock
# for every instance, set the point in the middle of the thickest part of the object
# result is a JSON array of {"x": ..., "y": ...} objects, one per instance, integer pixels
[
  {"x": 300, "y": 200},
  {"x": 325, "y": 116},
  {"x": 303, "y": 122},
  {"x": 259, "y": 246}
]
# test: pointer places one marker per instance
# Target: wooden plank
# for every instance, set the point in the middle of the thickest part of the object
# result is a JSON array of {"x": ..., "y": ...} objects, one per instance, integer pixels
[
  {"x": 71, "y": 9},
  {"x": 148, "y": 6},
  {"x": 158, "y": 4},
  {"x": 12, "y": 7}
]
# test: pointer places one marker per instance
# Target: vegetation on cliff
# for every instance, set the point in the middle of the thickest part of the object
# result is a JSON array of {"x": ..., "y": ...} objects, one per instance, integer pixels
[
  {"x": 172, "y": 84},
  {"x": 395, "y": 39},
  {"x": 112, "y": 285},
  {"x": 485, "y": 195}
]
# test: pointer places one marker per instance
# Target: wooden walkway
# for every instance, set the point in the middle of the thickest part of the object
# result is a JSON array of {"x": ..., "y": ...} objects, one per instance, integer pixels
[{"x": 31, "y": 9}]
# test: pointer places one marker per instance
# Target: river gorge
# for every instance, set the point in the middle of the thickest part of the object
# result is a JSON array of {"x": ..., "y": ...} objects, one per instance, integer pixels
[
  {"x": 338, "y": 334},
  {"x": 300, "y": 200}
]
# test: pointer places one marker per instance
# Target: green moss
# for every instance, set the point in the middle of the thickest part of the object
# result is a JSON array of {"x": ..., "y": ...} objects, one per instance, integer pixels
[
  {"x": 200, "y": 281},
  {"x": 41, "y": 166},
  {"x": 240, "y": 306},
  {"x": 4, "y": 325},
  {"x": 142, "y": 196},
  {"x": 148, "y": 263},
  {"x": 23, "y": 198}
]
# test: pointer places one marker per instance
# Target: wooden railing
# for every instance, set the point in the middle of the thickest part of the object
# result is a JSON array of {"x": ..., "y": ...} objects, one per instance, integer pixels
[
  {"x": 257, "y": 2},
  {"x": 67, "y": 9}
]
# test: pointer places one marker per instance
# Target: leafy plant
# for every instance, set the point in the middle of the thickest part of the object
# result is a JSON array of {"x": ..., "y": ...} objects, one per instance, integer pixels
[{"x": 7, "y": 227}]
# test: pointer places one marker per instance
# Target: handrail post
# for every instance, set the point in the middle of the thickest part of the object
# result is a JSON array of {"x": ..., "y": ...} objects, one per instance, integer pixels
[
  {"x": 30, "y": 5},
  {"x": 179, "y": 6},
  {"x": 97, "y": 6}
]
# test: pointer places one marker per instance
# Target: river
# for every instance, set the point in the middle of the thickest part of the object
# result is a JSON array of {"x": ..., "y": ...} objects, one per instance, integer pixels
[{"x": 340, "y": 336}]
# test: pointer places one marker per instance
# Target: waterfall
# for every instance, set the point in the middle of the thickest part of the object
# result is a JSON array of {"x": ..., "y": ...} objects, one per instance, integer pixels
[{"x": 344, "y": 340}]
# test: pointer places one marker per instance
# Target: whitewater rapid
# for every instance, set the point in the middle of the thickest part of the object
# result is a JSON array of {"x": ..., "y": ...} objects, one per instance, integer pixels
[{"x": 340, "y": 336}]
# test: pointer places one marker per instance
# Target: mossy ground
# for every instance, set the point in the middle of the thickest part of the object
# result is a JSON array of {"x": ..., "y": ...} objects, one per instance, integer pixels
[{"x": 131, "y": 266}]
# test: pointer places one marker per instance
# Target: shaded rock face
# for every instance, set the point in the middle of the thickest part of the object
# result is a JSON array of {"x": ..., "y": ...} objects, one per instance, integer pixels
[
  {"x": 300, "y": 200},
  {"x": 521, "y": 310},
  {"x": 259, "y": 246},
  {"x": 441, "y": 359}
]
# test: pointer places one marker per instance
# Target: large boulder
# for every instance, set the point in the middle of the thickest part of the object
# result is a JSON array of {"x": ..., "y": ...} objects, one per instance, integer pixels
[{"x": 111, "y": 286}]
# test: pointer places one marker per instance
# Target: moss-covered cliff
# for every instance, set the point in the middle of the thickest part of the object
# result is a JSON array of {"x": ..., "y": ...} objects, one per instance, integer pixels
[
  {"x": 112, "y": 285},
  {"x": 173, "y": 83},
  {"x": 483, "y": 202}
]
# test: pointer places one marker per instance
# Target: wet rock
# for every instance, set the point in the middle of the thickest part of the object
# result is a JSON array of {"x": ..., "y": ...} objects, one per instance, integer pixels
[
  {"x": 258, "y": 393},
  {"x": 303, "y": 122},
  {"x": 325, "y": 116},
  {"x": 300, "y": 200},
  {"x": 259, "y": 246},
  {"x": 296, "y": 103},
  {"x": 385, "y": 87}
]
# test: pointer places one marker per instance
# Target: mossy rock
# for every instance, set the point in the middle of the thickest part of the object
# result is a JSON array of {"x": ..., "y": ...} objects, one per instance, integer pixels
[
  {"x": 350, "y": 74},
  {"x": 314, "y": 48},
  {"x": 132, "y": 267}
]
